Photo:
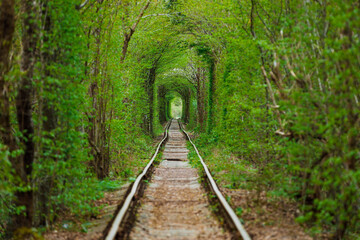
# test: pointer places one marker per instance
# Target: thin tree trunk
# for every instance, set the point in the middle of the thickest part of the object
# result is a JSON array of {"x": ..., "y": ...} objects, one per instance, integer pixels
[
  {"x": 211, "y": 96},
  {"x": 200, "y": 97},
  {"x": 187, "y": 106},
  {"x": 150, "y": 92},
  {"x": 162, "y": 104},
  {"x": 94, "y": 115}
]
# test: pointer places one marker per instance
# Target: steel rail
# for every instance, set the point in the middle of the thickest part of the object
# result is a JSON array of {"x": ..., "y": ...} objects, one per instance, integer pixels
[
  {"x": 119, "y": 217},
  {"x": 223, "y": 201}
]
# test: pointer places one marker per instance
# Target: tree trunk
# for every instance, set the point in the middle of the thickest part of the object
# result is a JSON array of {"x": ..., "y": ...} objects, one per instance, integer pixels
[
  {"x": 7, "y": 27},
  {"x": 95, "y": 118},
  {"x": 47, "y": 57},
  {"x": 168, "y": 107},
  {"x": 210, "y": 119},
  {"x": 200, "y": 98},
  {"x": 150, "y": 98},
  {"x": 186, "y": 105},
  {"x": 162, "y": 104},
  {"x": 24, "y": 163}
]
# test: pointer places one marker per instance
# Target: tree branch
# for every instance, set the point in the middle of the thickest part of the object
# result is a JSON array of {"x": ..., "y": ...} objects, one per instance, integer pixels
[
  {"x": 82, "y": 5},
  {"x": 156, "y": 15},
  {"x": 275, "y": 106},
  {"x": 141, "y": 15},
  {"x": 128, "y": 36}
]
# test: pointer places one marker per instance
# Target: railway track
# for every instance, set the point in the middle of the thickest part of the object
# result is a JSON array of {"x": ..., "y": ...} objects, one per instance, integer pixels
[{"x": 168, "y": 202}]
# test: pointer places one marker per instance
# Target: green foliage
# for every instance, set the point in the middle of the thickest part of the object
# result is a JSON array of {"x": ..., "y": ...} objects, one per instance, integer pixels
[
  {"x": 309, "y": 55},
  {"x": 269, "y": 88}
]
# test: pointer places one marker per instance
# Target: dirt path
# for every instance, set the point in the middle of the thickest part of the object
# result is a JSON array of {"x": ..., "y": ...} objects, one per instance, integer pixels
[{"x": 175, "y": 206}]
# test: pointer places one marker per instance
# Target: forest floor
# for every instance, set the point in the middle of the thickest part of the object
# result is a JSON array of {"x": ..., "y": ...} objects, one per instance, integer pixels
[
  {"x": 94, "y": 226},
  {"x": 265, "y": 217}
]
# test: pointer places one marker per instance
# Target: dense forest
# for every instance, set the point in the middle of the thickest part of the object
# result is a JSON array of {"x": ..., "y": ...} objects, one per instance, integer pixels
[{"x": 269, "y": 88}]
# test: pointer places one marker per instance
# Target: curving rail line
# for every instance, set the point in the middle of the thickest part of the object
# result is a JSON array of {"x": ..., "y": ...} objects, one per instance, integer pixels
[
  {"x": 219, "y": 195},
  {"x": 230, "y": 212}
]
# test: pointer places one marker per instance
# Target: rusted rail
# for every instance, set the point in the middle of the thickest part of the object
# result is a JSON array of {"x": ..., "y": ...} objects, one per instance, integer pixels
[
  {"x": 230, "y": 212},
  {"x": 120, "y": 215}
]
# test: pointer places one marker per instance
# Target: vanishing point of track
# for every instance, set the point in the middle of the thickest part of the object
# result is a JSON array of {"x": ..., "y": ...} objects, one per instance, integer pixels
[{"x": 168, "y": 202}]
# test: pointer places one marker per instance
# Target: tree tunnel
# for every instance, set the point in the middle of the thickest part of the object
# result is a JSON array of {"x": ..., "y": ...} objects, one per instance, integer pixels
[
  {"x": 170, "y": 89},
  {"x": 176, "y": 105}
]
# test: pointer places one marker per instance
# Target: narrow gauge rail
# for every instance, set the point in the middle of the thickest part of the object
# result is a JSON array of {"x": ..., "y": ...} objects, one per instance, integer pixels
[{"x": 230, "y": 217}]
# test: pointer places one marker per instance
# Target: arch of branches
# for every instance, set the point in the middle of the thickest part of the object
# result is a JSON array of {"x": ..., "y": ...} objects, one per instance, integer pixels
[{"x": 167, "y": 90}]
